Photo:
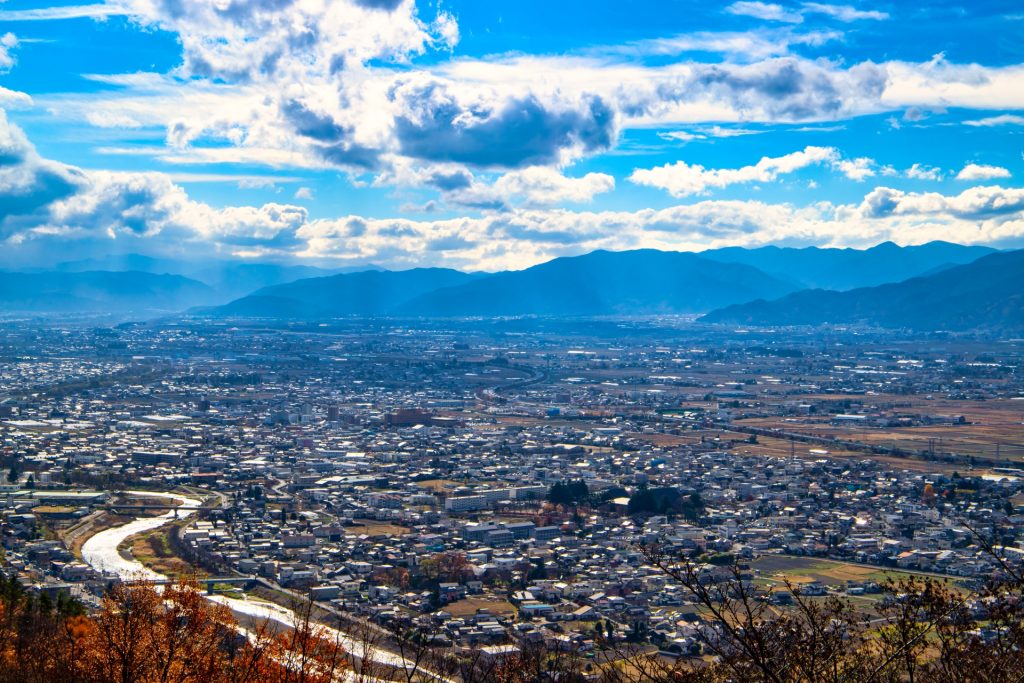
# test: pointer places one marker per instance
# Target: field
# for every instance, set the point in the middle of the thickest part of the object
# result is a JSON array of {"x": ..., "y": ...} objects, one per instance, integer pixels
[
  {"x": 438, "y": 485},
  {"x": 467, "y": 607},
  {"x": 801, "y": 570},
  {"x": 995, "y": 428},
  {"x": 371, "y": 527}
]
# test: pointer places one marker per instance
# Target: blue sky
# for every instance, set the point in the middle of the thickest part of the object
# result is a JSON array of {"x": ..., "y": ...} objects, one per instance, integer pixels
[{"x": 491, "y": 135}]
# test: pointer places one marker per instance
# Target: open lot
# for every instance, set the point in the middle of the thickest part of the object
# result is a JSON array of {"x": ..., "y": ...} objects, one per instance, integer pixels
[{"x": 467, "y": 607}]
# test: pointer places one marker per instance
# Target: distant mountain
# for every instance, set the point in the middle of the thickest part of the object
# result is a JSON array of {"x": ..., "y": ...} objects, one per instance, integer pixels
[
  {"x": 99, "y": 292},
  {"x": 230, "y": 279},
  {"x": 841, "y": 269},
  {"x": 985, "y": 294},
  {"x": 603, "y": 283},
  {"x": 366, "y": 293}
]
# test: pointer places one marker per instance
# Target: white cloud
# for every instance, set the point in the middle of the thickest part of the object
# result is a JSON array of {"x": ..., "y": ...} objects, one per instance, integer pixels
[
  {"x": 776, "y": 12},
  {"x": 532, "y": 186},
  {"x": 764, "y": 10},
  {"x": 95, "y": 11},
  {"x": 856, "y": 169},
  {"x": 922, "y": 172},
  {"x": 681, "y": 179},
  {"x": 10, "y": 99},
  {"x": 681, "y": 135},
  {"x": 521, "y": 238},
  {"x": 304, "y": 193},
  {"x": 541, "y": 186},
  {"x": 337, "y": 84},
  {"x": 982, "y": 172},
  {"x": 746, "y": 45},
  {"x": 8, "y": 42},
  {"x": 46, "y": 206},
  {"x": 844, "y": 13},
  {"x": 1001, "y": 120}
]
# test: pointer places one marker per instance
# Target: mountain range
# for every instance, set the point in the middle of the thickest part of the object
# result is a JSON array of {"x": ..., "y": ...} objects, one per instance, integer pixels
[
  {"x": 367, "y": 293},
  {"x": 99, "y": 292},
  {"x": 638, "y": 282},
  {"x": 228, "y": 279},
  {"x": 841, "y": 269},
  {"x": 985, "y": 294},
  {"x": 936, "y": 285}
]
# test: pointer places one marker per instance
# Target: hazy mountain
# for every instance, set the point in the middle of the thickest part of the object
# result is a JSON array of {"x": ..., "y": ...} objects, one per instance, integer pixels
[
  {"x": 366, "y": 293},
  {"x": 99, "y": 292},
  {"x": 818, "y": 268},
  {"x": 988, "y": 293},
  {"x": 604, "y": 283},
  {"x": 230, "y": 279}
]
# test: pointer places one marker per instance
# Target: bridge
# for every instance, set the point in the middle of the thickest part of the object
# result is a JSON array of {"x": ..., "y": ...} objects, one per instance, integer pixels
[{"x": 136, "y": 507}]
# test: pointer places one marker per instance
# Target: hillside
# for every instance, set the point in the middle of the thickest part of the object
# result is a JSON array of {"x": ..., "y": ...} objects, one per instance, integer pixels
[
  {"x": 99, "y": 292},
  {"x": 365, "y": 293},
  {"x": 230, "y": 279},
  {"x": 604, "y": 283},
  {"x": 988, "y": 293},
  {"x": 842, "y": 269}
]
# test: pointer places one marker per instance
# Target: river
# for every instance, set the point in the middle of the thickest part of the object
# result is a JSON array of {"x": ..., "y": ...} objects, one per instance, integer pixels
[{"x": 100, "y": 552}]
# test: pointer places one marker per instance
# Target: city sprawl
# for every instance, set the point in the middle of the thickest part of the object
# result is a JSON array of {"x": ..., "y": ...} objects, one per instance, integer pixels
[{"x": 501, "y": 485}]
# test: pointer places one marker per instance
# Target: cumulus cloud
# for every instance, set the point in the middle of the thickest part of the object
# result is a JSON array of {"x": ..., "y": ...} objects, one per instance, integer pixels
[
  {"x": 537, "y": 186},
  {"x": 923, "y": 172},
  {"x": 856, "y": 169},
  {"x": 46, "y": 205},
  {"x": 681, "y": 179},
  {"x": 287, "y": 96},
  {"x": 42, "y": 199},
  {"x": 438, "y": 125},
  {"x": 28, "y": 183},
  {"x": 520, "y": 238},
  {"x": 974, "y": 204},
  {"x": 982, "y": 172},
  {"x": 253, "y": 39}
]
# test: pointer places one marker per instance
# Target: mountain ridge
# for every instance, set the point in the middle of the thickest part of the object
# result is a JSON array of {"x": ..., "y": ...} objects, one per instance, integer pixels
[{"x": 985, "y": 294}]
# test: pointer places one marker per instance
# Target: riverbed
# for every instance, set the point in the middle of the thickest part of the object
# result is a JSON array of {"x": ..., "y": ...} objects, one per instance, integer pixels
[{"x": 100, "y": 551}]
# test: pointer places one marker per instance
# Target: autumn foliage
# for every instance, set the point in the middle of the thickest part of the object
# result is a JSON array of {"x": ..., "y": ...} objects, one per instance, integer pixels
[{"x": 144, "y": 635}]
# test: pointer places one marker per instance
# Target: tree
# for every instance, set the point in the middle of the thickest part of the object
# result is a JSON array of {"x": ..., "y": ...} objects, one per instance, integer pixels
[
  {"x": 142, "y": 635},
  {"x": 642, "y": 501}
]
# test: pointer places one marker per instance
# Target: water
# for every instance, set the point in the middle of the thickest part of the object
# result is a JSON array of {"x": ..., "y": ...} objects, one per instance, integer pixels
[{"x": 101, "y": 553}]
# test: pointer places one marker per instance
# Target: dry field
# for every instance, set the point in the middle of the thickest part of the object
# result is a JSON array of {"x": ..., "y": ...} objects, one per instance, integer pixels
[
  {"x": 995, "y": 427},
  {"x": 467, "y": 607},
  {"x": 800, "y": 570},
  {"x": 371, "y": 527}
]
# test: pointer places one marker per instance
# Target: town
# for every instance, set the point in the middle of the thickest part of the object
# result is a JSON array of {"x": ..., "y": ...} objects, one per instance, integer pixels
[{"x": 498, "y": 487}]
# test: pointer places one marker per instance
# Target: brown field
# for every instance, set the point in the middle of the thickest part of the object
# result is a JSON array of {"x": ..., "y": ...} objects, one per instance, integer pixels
[
  {"x": 374, "y": 528},
  {"x": 438, "y": 485},
  {"x": 995, "y": 427},
  {"x": 801, "y": 570},
  {"x": 467, "y": 607}
]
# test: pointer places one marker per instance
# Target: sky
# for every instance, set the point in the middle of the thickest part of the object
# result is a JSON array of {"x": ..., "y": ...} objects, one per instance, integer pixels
[{"x": 496, "y": 135}]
